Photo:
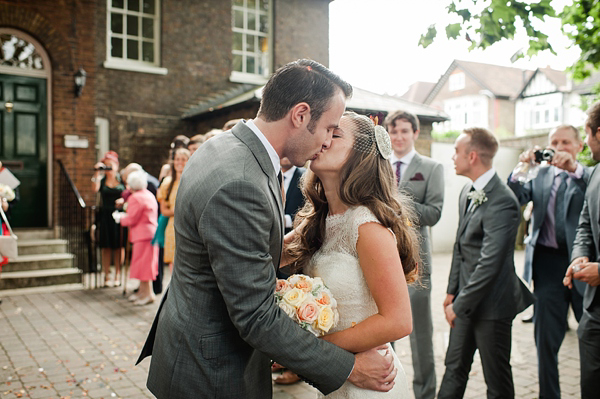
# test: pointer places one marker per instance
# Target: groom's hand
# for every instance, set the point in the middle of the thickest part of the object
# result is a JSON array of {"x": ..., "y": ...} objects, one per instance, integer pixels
[{"x": 374, "y": 371}]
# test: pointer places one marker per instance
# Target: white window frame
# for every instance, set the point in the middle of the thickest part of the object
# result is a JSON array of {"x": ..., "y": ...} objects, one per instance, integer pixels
[
  {"x": 456, "y": 81},
  {"x": 245, "y": 77},
  {"x": 125, "y": 63}
]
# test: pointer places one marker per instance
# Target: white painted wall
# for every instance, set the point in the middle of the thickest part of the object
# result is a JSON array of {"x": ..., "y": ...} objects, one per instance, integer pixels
[{"x": 444, "y": 232}]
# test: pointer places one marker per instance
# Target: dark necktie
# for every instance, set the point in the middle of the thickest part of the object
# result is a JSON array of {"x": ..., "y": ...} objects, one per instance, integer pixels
[
  {"x": 469, "y": 200},
  {"x": 398, "y": 171},
  {"x": 559, "y": 211}
]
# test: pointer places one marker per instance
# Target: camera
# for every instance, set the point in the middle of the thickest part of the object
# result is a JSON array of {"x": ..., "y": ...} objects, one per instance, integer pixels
[
  {"x": 544, "y": 155},
  {"x": 104, "y": 167}
]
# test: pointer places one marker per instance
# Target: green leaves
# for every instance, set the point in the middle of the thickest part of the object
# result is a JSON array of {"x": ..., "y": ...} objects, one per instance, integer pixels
[{"x": 427, "y": 38}]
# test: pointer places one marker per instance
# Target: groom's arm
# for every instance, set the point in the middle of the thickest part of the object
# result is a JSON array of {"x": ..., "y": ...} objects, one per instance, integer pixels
[{"x": 236, "y": 226}]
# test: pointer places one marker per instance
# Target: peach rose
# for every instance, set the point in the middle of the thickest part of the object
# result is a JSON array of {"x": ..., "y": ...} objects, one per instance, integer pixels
[
  {"x": 324, "y": 298},
  {"x": 304, "y": 285},
  {"x": 281, "y": 286},
  {"x": 308, "y": 312}
]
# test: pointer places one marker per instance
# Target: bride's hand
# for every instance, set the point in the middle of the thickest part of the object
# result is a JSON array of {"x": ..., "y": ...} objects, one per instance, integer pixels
[{"x": 374, "y": 371}]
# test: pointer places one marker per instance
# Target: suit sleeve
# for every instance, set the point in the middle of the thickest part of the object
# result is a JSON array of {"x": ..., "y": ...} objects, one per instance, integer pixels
[
  {"x": 430, "y": 210},
  {"x": 522, "y": 191},
  {"x": 238, "y": 242},
  {"x": 584, "y": 239},
  {"x": 498, "y": 238}
]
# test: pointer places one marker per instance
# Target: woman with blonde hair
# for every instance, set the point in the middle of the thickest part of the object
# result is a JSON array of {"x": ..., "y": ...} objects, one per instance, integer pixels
[
  {"x": 357, "y": 234},
  {"x": 166, "y": 195}
]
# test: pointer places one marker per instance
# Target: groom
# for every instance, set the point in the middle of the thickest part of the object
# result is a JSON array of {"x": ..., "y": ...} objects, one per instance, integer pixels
[
  {"x": 218, "y": 325},
  {"x": 484, "y": 294}
]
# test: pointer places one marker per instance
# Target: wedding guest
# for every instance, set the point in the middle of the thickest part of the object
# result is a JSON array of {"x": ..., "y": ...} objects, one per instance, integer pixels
[
  {"x": 9, "y": 198},
  {"x": 230, "y": 124},
  {"x": 107, "y": 183},
  {"x": 167, "y": 193},
  {"x": 484, "y": 293},
  {"x": 142, "y": 210},
  {"x": 212, "y": 133},
  {"x": 195, "y": 142},
  {"x": 179, "y": 141},
  {"x": 557, "y": 194},
  {"x": 585, "y": 266},
  {"x": 422, "y": 179}
]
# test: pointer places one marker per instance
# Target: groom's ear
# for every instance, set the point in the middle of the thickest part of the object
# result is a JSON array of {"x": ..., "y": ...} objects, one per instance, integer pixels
[{"x": 300, "y": 114}]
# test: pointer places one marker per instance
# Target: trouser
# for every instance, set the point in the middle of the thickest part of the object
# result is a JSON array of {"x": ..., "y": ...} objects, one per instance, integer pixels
[
  {"x": 550, "y": 314},
  {"x": 493, "y": 339},
  {"x": 421, "y": 339},
  {"x": 157, "y": 285},
  {"x": 589, "y": 356}
]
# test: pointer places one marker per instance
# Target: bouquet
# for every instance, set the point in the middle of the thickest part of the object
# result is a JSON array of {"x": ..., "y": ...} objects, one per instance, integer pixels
[
  {"x": 308, "y": 302},
  {"x": 6, "y": 192}
]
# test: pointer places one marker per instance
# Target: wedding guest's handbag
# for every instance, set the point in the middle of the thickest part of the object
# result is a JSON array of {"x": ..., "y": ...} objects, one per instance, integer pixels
[{"x": 8, "y": 243}]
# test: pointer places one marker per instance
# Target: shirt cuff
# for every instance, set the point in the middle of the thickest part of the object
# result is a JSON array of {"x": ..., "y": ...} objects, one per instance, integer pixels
[
  {"x": 288, "y": 221},
  {"x": 578, "y": 174}
]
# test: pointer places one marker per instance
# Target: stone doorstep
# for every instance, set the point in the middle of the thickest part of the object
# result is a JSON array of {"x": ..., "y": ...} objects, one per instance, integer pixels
[
  {"x": 39, "y": 262},
  {"x": 41, "y": 290},
  {"x": 34, "y": 234},
  {"x": 37, "y": 278},
  {"x": 42, "y": 246}
]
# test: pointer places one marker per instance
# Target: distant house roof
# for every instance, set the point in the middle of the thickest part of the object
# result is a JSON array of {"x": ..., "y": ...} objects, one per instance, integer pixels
[
  {"x": 418, "y": 91},
  {"x": 558, "y": 78},
  {"x": 585, "y": 86},
  {"x": 503, "y": 82},
  {"x": 362, "y": 101}
]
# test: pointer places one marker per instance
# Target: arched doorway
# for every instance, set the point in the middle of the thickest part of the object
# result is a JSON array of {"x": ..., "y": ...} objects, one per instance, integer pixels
[{"x": 25, "y": 125}]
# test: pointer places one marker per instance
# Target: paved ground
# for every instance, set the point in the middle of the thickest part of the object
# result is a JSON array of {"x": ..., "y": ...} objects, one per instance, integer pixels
[{"x": 77, "y": 344}]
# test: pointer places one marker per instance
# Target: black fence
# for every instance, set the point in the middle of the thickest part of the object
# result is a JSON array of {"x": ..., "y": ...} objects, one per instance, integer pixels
[{"x": 75, "y": 224}]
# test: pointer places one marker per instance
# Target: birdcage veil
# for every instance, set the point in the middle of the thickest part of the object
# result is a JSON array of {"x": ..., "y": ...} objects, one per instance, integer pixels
[{"x": 369, "y": 136}]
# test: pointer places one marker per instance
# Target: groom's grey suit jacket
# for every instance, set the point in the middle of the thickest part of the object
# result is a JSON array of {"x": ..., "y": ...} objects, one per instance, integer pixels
[
  {"x": 218, "y": 326},
  {"x": 482, "y": 275},
  {"x": 587, "y": 240},
  {"x": 423, "y": 181}
]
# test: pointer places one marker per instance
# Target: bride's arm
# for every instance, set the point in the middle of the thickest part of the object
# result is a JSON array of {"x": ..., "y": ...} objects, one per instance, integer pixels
[
  {"x": 289, "y": 237},
  {"x": 381, "y": 266}
]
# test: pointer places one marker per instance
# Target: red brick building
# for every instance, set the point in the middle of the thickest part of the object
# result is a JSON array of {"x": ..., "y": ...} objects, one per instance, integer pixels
[{"x": 147, "y": 64}]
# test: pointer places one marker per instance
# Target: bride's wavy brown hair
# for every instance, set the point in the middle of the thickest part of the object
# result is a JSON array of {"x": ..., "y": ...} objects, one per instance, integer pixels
[{"x": 366, "y": 179}]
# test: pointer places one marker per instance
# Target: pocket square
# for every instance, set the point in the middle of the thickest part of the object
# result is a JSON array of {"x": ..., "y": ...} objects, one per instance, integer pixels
[{"x": 417, "y": 177}]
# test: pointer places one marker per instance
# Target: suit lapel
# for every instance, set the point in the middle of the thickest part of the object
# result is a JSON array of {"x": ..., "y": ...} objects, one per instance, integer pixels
[
  {"x": 548, "y": 181},
  {"x": 488, "y": 189},
  {"x": 412, "y": 168},
  {"x": 247, "y": 136}
]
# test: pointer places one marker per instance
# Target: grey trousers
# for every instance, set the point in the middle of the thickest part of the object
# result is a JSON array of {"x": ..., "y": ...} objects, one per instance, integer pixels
[{"x": 421, "y": 339}]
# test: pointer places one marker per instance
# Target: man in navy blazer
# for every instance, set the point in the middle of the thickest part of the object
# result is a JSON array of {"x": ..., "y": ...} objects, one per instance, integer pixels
[{"x": 556, "y": 209}]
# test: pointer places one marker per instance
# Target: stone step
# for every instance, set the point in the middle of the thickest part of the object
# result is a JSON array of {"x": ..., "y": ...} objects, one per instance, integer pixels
[
  {"x": 39, "y": 278},
  {"x": 39, "y": 262},
  {"x": 34, "y": 234},
  {"x": 34, "y": 247},
  {"x": 42, "y": 289}
]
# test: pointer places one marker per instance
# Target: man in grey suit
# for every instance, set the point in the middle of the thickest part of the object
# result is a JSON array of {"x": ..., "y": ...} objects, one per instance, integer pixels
[
  {"x": 557, "y": 193},
  {"x": 586, "y": 267},
  {"x": 422, "y": 179},
  {"x": 218, "y": 325},
  {"x": 484, "y": 293}
]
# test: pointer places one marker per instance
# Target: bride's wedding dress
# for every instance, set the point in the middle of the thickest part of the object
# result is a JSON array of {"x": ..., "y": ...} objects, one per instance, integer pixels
[{"x": 336, "y": 262}]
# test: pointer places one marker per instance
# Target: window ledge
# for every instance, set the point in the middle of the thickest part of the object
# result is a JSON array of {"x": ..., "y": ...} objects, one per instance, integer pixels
[
  {"x": 239, "y": 77},
  {"x": 130, "y": 66}
]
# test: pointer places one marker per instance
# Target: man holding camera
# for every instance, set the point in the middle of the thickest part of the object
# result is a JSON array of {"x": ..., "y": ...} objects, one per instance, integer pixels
[{"x": 557, "y": 193}]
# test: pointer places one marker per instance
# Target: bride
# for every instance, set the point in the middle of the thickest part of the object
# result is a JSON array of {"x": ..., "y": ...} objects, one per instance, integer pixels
[{"x": 356, "y": 234}]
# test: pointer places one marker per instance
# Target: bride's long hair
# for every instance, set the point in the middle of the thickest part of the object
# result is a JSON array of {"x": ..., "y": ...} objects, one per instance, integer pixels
[{"x": 366, "y": 179}]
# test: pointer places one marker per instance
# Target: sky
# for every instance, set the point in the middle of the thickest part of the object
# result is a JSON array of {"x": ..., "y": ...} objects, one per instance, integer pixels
[{"x": 373, "y": 44}]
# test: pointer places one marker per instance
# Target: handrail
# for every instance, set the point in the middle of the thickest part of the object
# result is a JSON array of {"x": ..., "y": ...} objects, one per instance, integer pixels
[{"x": 75, "y": 221}]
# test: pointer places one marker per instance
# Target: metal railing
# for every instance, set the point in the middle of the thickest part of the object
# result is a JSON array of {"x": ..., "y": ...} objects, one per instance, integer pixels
[{"x": 75, "y": 221}]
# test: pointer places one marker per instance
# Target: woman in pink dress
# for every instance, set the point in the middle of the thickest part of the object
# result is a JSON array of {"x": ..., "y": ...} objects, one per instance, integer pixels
[{"x": 142, "y": 210}]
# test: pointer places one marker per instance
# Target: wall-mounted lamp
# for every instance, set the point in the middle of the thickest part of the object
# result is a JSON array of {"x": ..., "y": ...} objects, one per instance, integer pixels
[{"x": 79, "y": 81}]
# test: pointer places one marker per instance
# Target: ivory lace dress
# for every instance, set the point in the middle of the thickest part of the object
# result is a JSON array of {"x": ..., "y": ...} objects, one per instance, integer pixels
[{"x": 336, "y": 262}]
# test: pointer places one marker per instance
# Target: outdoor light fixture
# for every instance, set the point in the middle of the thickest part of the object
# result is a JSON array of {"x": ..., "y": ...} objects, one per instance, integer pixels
[{"x": 79, "y": 81}]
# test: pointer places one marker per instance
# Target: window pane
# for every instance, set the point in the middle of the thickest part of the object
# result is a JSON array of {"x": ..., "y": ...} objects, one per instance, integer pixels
[
  {"x": 117, "y": 3},
  {"x": 148, "y": 28},
  {"x": 238, "y": 3},
  {"x": 116, "y": 23},
  {"x": 148, "y": 6},
  {"x": 132, "y": 25},
  {"x": 264, "y": 44},
  {"x": 250, "y": 43},
  {"x": 251, "y": 21},
  {"x": 250, "y": 63},
  {"x": 238, "y": 19},
  {"x": 251, "y": 4},
  {"x": 132, "y": 50},
  {"x": 133, "y": 5},
  {"x": 148, "y": 51},
  {"x": 26, "y": 128},
  {"x": 116, "y": 48},
  {"x": 237, "y": 63},
  {"x": 238, "y": 39},
  {"x": 264, "y": 5},
  {"x": 264, "y": 24}
]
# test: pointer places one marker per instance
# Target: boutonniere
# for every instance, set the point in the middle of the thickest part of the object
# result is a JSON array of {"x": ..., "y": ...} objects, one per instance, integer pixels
[
  {"x": 417, "y": 177},
  {"x": 477, "y": 197}
]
